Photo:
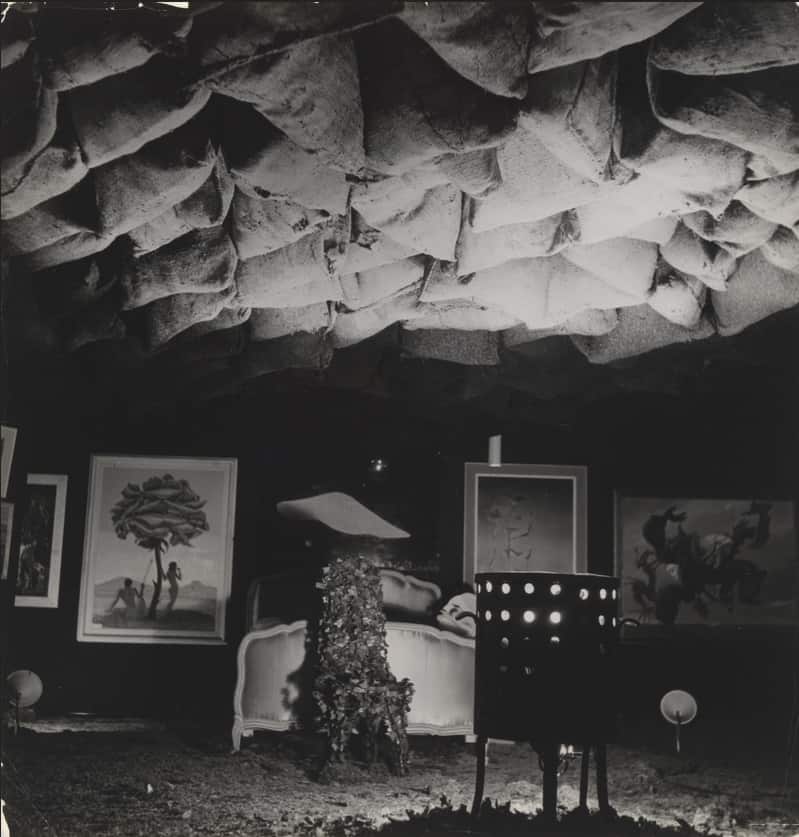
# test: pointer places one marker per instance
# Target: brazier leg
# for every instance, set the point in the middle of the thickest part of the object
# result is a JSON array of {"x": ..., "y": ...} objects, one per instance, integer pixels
[
  {"x": 479, "y": 785},
  {"x": 601, "y": 755},
  {"x": 549, "y": 757},
  {"x": 584, "y": 765}
]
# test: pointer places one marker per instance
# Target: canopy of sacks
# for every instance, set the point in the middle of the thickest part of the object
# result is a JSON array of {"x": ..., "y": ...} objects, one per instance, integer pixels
[{"x": 251, "y": 187}]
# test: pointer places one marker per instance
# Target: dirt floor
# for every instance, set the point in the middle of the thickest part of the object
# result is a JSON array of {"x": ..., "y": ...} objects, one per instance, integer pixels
[{"x": 183, "y": 780}]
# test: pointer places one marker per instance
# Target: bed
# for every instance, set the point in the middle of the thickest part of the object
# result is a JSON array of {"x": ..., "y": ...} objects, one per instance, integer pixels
[{"x": 271, "y": 656}]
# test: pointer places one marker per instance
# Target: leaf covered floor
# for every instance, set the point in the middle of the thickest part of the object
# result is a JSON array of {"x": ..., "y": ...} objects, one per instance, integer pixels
[{"x": 183, "y": 780}]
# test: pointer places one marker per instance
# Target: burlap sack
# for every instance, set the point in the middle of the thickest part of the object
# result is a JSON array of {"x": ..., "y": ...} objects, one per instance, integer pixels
[
  {"x": 471, "y": 348},
  {"x": 62, "y": 291},
  {"x": 481, "y": 250},
  {"x": 738, "y": 230},
  {"x": 16, "y": 35},
  {"x": 99, "y": 320},
  {"x": 28, "y": 117},
  {"x": 540, "y": 292},
  {"x": 413, "y": 212},
  {"x": 138, "y": 188},
  {"x": 260, "y": 226},
  {"x": 486, "y": 43},
  {"x": 370, "y": 286},
  {"x": 755, "y": 291},
  {"x": 203, "y": 261},
  {"x": 299, "y": 274},
  {"x": 83, "y": 49},
  {"x": 51, "y": 221},
  {"x": 294, "y": 351},
  {"x": 233, "y": 33},
  {"x": 265, "y": 163},
  {"x": 53, "y": 171},
  {"x": 782, "y": 249},
  {"x": 591, "y": 322},
  {"x": 691, "y": 254},
  {"x": 658, "y": 230},
  {"x": 571, "y": 292},
  {"x": 640, "y": 329},
  {"x": 696, "y": 165},
  {"x": 122, "y": 113},
  {"x": 416, "y": 107},
  {"x": 684, "y": 161},
  {"x": 723, "y": 38},
  {"x": 623, "y": 263},
  {"x": 65, "y": 250},
  {"x": 370, "y": 248},
  {"x": 167, "y": 317},
  {"x": 190, "y": 349},
  {"x": 762, "y": 168},
  {"x": 311, "y": 93},
  {"x": 755, "y": 111},
  {"x": 474, "y": 172},
  {"x": 678, "y": 298},
  {"x": 271, "y": 323},
  {"x": 226, "y": 319},
  {"x": 571, "y": 32},
  {"x": 573, "y": 112},
  {"x": 776, "y": 199},
  {"x": 640, "y": 201},
  {"x": 353, "y": 327},
  {"x": 535, "y": 185},
  {"x": 207, "y": 207},
  {"x": 460, "y": 315}
]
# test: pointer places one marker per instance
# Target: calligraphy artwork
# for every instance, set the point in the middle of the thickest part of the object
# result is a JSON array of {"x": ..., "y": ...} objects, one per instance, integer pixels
[{"x": 524, "y": 518}]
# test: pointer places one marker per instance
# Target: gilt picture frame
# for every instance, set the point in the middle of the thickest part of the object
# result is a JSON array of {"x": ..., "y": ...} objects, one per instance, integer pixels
[
  {"x": 41, "y": 538},
  {"x": 8, "y": 441},
  {"x": 525, "y": 518},
  {"x": 158, "y": 550},
  {"x": 708, "y": 562}
]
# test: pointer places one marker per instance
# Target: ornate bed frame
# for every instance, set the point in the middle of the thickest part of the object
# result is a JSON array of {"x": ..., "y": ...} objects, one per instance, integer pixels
[{"x": 440, "y": 664}]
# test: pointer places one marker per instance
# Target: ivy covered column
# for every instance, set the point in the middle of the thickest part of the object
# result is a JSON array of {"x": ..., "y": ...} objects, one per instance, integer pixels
[{"x": 354, "y": 690}]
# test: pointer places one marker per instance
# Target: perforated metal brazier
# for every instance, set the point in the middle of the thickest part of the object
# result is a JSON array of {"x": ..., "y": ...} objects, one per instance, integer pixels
[{"x": 545, "y": 653}]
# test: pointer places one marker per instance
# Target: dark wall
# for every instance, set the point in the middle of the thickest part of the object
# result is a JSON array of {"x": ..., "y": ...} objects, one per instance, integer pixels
[{"x": 313, "y": 441}]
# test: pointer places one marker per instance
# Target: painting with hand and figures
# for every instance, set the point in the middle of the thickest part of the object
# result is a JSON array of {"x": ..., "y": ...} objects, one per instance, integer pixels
[
  {"x": 707, "y": 561},
  {"x": 524, "y": 518},
  {"x": 41, "y": 540},
  {"x": 158, "y": 550}
]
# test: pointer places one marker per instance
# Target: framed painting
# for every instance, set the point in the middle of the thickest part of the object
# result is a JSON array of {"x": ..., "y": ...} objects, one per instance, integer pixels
[
  {"x": 712, "y": 562},
  {"x": 524, "y": 518},
  {"x": 158, "y": 550},
  {"x": 6, "y": 529},
  {"x": 8, "y": 441},
  {"x": 41, "y": 537}
]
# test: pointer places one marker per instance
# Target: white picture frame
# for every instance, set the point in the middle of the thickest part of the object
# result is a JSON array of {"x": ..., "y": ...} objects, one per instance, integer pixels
[
  {"x": 190, "y": 528},
  {"x": 6, "y": 532},
  {"x": 524, "y": 518},
  {"x": 8, "y": 441}
]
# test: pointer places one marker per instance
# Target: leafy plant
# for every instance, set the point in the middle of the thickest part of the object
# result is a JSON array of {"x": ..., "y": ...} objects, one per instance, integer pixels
[{"x": 354, "y": 690}]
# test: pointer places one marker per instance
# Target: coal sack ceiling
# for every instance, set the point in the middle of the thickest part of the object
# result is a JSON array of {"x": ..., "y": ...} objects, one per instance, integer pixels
[{"x": 253, "y": 187}]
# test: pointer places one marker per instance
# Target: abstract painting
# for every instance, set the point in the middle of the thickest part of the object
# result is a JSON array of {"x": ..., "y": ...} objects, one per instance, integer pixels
[
  {"x": 524, "y": 518},
  {"x": 158, "y": 551},
  {"x": 41, "y": 537},
  {"x": 707, "y": 561}
]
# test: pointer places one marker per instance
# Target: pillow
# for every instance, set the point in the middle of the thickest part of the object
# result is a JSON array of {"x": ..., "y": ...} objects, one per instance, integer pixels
[
  {"x": 408, "y": 599},
  {"x": 458, "y": 615}
]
